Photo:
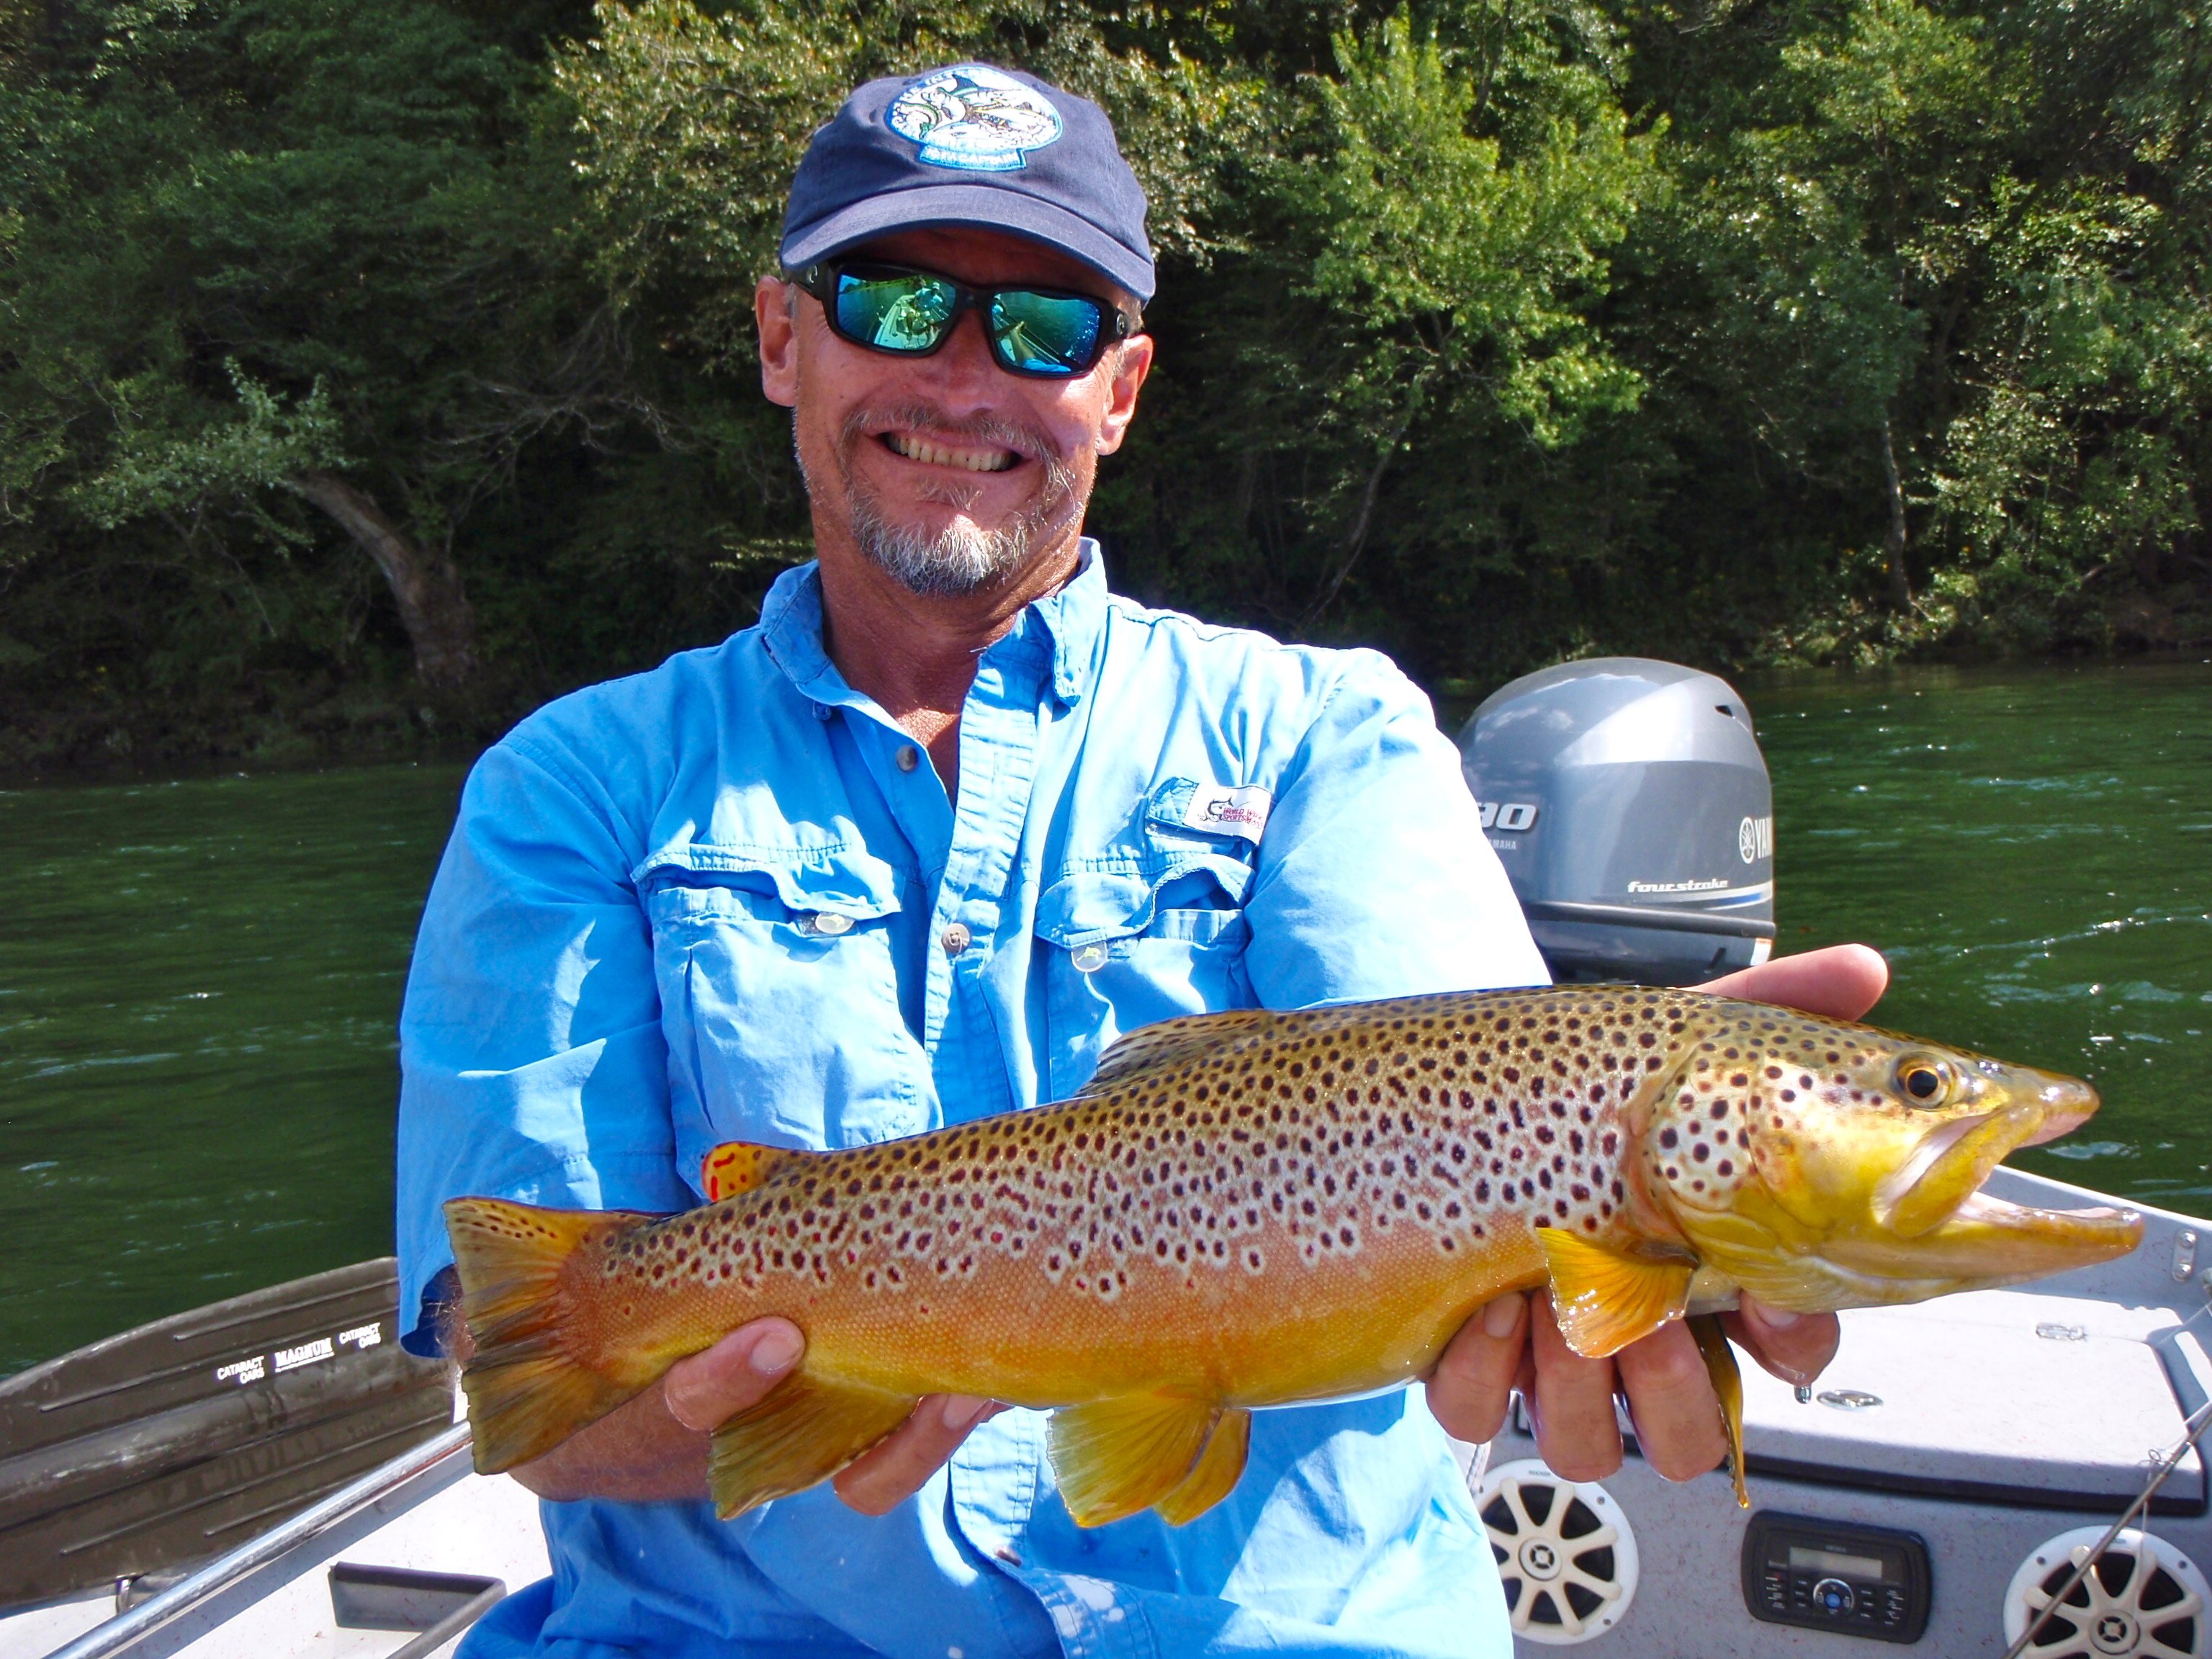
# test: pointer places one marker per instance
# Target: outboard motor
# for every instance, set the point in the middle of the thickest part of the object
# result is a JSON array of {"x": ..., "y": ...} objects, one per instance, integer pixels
[{"x": 1630, "y": 806}]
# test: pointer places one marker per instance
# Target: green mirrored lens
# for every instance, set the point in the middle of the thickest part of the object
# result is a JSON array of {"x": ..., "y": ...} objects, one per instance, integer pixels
[
  {"x": 1044, "y": 333},
  {"x": 908, "y": 311}
]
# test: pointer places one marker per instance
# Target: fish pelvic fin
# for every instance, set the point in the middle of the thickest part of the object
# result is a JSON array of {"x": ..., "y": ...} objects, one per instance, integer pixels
[
  {"x": 1727, "y": 1387},
  {"x": 1113, "y": 1457},
  {"x": 1605, "y": 1298},
  {"x": 1217, "y": 1471},
  {"x": 809, "y": 1427},
  {"x": 738, "y": 1166},
  {"x": 528, "y": 1382},
  {"x": 1170, "y": 1043}
]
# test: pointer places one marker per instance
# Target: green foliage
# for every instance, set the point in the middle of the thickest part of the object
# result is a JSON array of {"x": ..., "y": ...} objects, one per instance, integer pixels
[{"x": 1491, "y": 330}]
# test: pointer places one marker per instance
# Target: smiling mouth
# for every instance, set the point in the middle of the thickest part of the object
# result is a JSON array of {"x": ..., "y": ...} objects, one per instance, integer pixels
[{"x": 936, "y": 454}]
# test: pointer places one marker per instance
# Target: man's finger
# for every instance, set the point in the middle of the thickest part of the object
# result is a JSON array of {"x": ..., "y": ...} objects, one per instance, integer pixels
[
  {"x": 1672, "y": 1403},
  {"x": 1473, "y": 1376},
  {"x": 1570, "y": 1403},
  {"x": 893, "y": 1470},
  {"x": 712, "y": 1386},
  {"x": 1796, "y": 1347},
  {"x": 1842, "y": 981}
]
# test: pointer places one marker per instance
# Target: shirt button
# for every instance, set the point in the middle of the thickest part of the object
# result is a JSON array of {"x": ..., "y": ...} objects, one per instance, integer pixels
[
  {"x": 907, "y": 758},
  {"x": 829, "y": 922},
  {"x": 1088, "y": 958},
  {"x": 954, "y": 938}
]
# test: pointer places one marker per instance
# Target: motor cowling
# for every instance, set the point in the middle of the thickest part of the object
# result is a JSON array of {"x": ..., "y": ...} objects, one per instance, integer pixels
[{"x": 1630, "y": 804}]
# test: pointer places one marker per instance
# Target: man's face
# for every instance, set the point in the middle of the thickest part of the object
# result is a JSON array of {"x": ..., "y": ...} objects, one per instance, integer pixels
[{"x": 945, "y": 470}]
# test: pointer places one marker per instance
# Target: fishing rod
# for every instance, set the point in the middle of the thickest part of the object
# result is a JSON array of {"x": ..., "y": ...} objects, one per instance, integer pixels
[{"x": 2164, "y": 1466}]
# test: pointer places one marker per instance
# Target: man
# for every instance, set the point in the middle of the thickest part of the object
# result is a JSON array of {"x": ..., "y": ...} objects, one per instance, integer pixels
[{"x": 915, "y": 849}]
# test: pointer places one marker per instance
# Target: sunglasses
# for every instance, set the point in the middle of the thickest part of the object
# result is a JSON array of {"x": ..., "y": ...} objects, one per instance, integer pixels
[{"x": 1044, "y": 332}]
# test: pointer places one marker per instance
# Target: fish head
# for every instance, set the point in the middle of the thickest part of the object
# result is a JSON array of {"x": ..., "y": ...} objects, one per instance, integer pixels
[{"x": 1823, "y": 1165}]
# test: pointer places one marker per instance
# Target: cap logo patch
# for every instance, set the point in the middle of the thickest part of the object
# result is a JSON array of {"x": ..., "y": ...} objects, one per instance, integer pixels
[{"x": 974, "y": 118}]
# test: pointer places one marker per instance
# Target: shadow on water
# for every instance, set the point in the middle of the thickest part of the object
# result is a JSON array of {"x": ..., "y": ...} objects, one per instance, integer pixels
[
  {"x": 199, "y": 980},
  {"x": 198, "y": 983}
]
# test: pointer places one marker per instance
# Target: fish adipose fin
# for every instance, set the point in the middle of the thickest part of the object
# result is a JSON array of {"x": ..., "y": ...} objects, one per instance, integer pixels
[
  {"x": 807, "y": 1428},
  {"x": 1113, "y": 1457},
  {"x": 528, "y": 1389},
  {"x": 1215, "y": 1474},
  {"x": 738, "y": 1166},
  {"x": 1728, "y": 1385},
  {"x": 1605, "y": 1298},
  {"x": 1170, "y": 1043}
]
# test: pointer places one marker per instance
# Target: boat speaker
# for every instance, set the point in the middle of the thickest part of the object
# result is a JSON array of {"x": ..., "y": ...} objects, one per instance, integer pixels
[
  {"x": 1565, "y": 1551},
  {"x": 2143, "y": 1599}
]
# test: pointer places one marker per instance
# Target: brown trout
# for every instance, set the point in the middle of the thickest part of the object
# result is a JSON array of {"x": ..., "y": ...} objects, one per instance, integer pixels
[{"x": 1251, "y": 1209}]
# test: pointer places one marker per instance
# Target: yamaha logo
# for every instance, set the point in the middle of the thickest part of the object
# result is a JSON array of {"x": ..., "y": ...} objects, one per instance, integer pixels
[{"x": 1754, "y": 839}]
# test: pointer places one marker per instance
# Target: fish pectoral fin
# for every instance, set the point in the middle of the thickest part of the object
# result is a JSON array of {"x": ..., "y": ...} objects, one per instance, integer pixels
[
  {"x": 807, "y": 1428},
  {"x": 1215, "y": 1474},
  {"x": 1606, "y": 1299},
  {"x": 528, "y": 1382},
  {"x": 738, "y": 1166},
  {"x": 1727, "y": 1387},
  {"x": 1170, "y": 1043},
  {"x": 1113, "y": 1457}
]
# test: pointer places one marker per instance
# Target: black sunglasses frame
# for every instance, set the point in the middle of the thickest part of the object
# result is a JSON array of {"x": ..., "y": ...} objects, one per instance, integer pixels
[{"x": 1114, "y": 324}]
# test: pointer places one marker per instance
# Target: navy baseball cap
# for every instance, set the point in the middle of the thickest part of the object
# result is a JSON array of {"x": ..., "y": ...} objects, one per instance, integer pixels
[{"x": 971, "y": 144}]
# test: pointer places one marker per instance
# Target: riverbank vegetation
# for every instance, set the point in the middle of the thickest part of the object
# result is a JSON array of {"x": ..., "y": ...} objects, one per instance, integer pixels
[{"x": 370, "y": 369}]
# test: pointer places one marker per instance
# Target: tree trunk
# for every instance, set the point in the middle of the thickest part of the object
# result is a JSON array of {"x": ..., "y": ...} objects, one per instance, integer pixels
[
  {"x": 1892, "y": 546},
  {"x": 432, "y": 607}
]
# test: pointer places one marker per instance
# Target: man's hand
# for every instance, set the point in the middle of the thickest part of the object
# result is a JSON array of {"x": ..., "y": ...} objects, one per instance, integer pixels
[
  {"x": 1509, "y": 1343},
  {"x": 653, "y": 1449}
]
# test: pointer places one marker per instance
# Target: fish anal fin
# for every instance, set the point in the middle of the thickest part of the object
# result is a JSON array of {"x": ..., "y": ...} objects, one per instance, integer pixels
[
  {"x": 1727, "y": 1387},
  {"x": 1605, "y": 1298},
  {"x": 1170, "y": 1043},
  {"x": 1113, "y": 1457},
  {"x": 532, "y": 1380},
  {"x": 1215, "y": 1474},
  {"x": 809, "y": 1427},
  {"x": 738, "y": 1166}
]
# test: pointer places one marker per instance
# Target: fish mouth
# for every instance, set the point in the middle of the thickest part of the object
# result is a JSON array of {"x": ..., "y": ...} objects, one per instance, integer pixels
[
  {"x": 1986, "y": 1242},
  {"x": 1954, "y": 1159}
]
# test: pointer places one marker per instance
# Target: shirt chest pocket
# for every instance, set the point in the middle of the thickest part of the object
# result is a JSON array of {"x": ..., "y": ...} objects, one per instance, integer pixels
[
  {"x": 1124, "y": 949},
  {"x": 780, "y": 1003}
]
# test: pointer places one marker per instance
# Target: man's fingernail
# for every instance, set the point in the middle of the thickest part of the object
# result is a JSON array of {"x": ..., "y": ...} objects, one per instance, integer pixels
[
  {"x": 960, "y": 1410},
  {"x": 1503, "y": 1316},
  {"x": 1775, "y": 1319},
  {"x": 775, "y": 1351}
]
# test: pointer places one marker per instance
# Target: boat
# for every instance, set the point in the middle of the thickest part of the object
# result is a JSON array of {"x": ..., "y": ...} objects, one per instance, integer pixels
[{"x": 2001, "y": 1473}]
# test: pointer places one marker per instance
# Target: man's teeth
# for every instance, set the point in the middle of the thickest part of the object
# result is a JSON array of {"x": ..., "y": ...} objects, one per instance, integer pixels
[{"x": 975, "y": 460}]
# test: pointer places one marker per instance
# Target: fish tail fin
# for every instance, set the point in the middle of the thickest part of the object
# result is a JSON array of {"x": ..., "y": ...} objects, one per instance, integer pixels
[{"x": 532, "y": 1381}]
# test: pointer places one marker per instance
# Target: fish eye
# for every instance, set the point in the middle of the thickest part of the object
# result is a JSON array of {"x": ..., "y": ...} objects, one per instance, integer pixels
[{"x": 1923, "y": 1079}]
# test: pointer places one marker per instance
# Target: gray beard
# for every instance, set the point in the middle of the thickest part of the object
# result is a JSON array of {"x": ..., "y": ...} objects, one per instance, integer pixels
[{"x": 960, "y": 559}]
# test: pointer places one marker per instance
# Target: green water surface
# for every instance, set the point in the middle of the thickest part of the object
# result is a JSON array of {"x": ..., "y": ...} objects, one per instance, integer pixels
[{"x": 199, "y": 980}]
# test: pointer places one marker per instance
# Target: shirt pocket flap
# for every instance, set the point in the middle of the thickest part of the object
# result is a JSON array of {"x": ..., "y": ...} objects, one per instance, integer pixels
[
  {"x": 840, "y": 881},
  {"x": 1096, "y": 907}
]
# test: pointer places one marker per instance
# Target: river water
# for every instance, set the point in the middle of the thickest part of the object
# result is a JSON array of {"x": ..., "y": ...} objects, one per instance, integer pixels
[{"x": 199, "y": 980}]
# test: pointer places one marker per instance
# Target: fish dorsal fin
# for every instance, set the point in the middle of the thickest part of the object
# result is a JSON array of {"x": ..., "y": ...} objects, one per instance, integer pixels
[
  {"x": 807, "y": 1428},
  {"x": 1215, "y": 1474},
  {"x": 1113, "y": 1457},
  {"x": 1170, "y": 1043},
  {"x": 738, "y": 1166},
  {"x": 1605, "y": 1298}
]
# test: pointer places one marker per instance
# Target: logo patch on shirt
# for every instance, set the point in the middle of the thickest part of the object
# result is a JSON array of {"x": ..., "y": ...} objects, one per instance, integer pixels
[
  {"x": 974, "y": 118},
  {"x": 1229, "y": 812}
]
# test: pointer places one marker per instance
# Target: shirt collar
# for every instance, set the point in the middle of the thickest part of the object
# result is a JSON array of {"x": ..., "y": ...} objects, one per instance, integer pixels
[{"x": 1063, "y": 625}]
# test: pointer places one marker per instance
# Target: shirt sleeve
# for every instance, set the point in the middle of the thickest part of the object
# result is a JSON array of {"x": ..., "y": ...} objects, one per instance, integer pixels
[
  {"x": 532, "y": 1064},
  {"x": 1375, "y": 879}
]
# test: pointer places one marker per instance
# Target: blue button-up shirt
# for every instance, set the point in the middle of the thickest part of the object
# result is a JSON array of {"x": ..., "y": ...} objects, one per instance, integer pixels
[{"x": 727, "y": 900}]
